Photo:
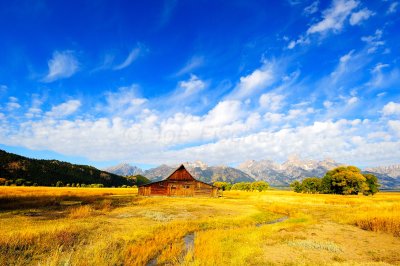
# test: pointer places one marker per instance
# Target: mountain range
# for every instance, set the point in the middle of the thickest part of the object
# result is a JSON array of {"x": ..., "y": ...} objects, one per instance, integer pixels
[
  {"x": 198, "y": 169},
  {"x": 276, "y": 174},
  {"x": 48, "y": 172}
]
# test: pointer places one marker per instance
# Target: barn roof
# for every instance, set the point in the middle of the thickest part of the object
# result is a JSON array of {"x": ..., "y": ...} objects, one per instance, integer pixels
[{"x": 180, "y": 174}]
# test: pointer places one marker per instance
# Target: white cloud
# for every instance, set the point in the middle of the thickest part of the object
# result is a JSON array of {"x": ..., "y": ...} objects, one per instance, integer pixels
[
  {"x": 62, "y": 65},
  {"x": 327, "y": 104},
  {"x": 391, "y": 108},
  {"x": 301, "y": 40},
  {"x": 191, "y": 86},
  {"x": 312, "y": 8},
  {"x": 338, "y": 140},
  {"x": 334, "y": 17},
  {"x": 384, "y": 77},
  {"x": 392, "y": 8},
  {"x": 258, "y": 80},
  {"x": 374, "y": 41},
  {"x": 64, "y": 109},
  {"x": 357, "y": 17},
  {"x": 132, "y": 56},
  {"x": 12, "y": 104},
  {"x": 271, "y": 101},
  {"x": 395, "y": 126},
  {"x": 230, "y": 132},
  {"x": 124, "y": 102},
  {"x": 352, "y": 100}
]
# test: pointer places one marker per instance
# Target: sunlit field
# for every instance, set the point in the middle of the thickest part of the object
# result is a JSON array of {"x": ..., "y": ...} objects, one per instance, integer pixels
[{"x": 89, "y": 226}]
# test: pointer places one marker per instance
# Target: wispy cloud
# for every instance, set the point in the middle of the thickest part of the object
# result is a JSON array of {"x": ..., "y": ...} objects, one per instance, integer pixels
[
  {"x": 374, "y": 41},
  {"x": 169, "y": 6},
  {"x": 334, "y": 17},
  {"x": 192, "y": 64},
  {"x": 333, "y": 20},
  {"x": 312, "y": 8},
  {"x": 3, "y": 88},
  {"x": 132, "y": 56},
  {"x": 392, "y": 8},
  {"x": 13, "y": 104},
  {"x": 62, "y": 65},
  {"x": 64, "y": 109},
  {"x": 123, "y": 102},
  {"x": 357, "y": 17},
  {"x": 254, "y": 82}
]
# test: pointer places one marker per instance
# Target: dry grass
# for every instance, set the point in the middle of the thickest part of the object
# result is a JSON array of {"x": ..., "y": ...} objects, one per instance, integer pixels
[
  {"x": 80, "y": 212},
  {"x": 88, "y": 226}
]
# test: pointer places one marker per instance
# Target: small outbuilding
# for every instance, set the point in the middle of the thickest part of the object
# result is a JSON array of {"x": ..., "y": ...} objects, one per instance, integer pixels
[{"x": 179, "y": 183}]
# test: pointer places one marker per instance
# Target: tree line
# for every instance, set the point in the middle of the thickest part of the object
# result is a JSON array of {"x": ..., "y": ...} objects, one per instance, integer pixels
[
  {"x": 245, "y": 186},
  {"x": 341, "y": 180}
]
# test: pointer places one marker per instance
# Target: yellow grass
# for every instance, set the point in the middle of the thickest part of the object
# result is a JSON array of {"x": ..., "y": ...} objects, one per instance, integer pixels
[{"x": 101, "y": 226}]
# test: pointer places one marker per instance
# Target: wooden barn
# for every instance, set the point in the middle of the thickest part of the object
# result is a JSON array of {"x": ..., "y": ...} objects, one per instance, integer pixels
[{"x": 179, "y": 183}]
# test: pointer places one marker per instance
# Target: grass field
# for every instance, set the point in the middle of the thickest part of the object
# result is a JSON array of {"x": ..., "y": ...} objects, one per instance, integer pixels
[{"x": 89, "y": 226}]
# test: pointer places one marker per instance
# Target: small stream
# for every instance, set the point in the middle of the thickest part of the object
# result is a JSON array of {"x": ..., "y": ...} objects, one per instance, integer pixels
[
  {"x": 279, "y": 220},
  {"x": 188, "y": 240}
]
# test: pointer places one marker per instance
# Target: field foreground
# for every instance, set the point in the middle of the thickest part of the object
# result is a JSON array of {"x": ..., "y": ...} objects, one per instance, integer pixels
[{"x": 86, "y": 226}]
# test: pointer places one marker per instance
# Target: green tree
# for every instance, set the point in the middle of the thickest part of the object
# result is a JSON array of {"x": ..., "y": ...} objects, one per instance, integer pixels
[
  {"x": 296, "y": 185},
  {"x": 223, "y": 185},
  {"x": 259, "y": 186},
  {"x": 246, "y": 186},
  {"x": 19, "y": 181},
  {"x": 344, "y": 180},
  {"x": 311, "y": 185},
  {"x": 372, "y": 184}
]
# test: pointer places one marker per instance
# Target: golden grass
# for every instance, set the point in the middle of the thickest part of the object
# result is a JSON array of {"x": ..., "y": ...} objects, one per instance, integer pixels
[
  {"x": 80, "y": 212},
  {"x": 101, "y": 226}
]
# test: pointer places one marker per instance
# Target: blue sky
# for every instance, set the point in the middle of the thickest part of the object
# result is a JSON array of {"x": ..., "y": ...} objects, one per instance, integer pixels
[{"x": 102, "y": 82}]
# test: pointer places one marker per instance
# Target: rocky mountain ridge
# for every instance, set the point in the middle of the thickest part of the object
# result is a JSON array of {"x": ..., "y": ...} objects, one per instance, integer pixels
[{"x": 276, "y": 174}]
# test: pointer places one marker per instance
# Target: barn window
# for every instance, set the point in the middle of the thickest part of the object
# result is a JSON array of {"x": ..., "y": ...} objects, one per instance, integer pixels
[{"x": 187, "y": 186}]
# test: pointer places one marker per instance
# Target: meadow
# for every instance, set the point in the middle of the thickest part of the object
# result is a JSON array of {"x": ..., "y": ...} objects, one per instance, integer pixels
[{"x": 115, "y": 226}]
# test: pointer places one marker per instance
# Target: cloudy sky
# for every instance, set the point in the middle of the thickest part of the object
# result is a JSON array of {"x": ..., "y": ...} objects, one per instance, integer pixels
[{"x": 151, "y": 82}]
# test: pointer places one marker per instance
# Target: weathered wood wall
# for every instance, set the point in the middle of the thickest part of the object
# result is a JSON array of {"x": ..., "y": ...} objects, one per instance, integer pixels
[
  {"x": 179, "y": 183},
  {"x": 176, "y": 188}
]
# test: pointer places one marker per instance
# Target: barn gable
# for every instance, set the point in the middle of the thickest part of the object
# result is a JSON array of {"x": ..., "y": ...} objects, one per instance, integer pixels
[{"x": 181, "y": 174}]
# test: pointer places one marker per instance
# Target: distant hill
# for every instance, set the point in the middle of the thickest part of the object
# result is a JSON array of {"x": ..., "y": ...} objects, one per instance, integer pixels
[
  {"x": 139, "y": 179},
  {"x": 48, "y": 172}
]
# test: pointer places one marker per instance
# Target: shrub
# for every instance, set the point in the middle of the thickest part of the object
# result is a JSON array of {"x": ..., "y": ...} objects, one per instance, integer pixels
[
  {"x": 2, "y": 181},
  {"x": 223, "y": 185},
  {"x": 19, "y": 181}
]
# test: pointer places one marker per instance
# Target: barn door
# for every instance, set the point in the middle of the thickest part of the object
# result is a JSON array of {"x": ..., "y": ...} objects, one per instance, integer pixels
[{"x": 172, "y": 190}]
